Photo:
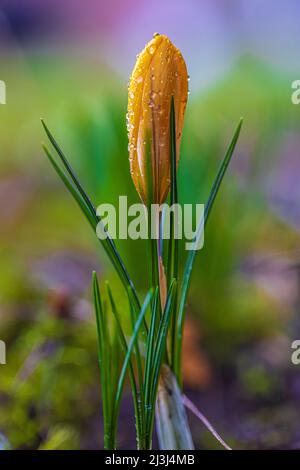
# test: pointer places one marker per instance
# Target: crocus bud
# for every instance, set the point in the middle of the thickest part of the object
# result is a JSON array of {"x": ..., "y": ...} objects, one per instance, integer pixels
[{"x": 159, "y": 74}]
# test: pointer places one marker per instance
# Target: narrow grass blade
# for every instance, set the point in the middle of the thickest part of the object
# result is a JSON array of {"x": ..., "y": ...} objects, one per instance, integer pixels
[
  {"x": 77, "y": 190},
  {"x": 134, "y": 317},
  {"x": 130, "y": 348},
  {"x": 80, "y": 201},
  {"x": 158, "y": 353},
  {"x": 192, "y": 254},
  {"x": 172, "y": 270},
  {"x": 222, "y": 170},
  {"x": 153, "y": 238},
  {"x": 135, "y": 393},
  {"x": 173, "y": 242},
  {"x": 69, "y": 168},
  {"x": 149, "y": 362},
  {"x": 190, "y": 405},
  {"x": 70, "y": 187},
  {"x": 162, "y": 335},
  {"x": 135, "y": 312},
  {"x": 104, "y": 364}
]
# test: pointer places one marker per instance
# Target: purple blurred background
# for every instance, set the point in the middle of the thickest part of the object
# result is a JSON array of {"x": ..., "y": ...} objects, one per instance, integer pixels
[
  {"x": 69, "y": 61},
  {"x": 212, "y": 34}
]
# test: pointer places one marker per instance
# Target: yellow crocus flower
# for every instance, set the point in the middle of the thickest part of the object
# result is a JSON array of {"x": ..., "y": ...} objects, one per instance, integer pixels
[{"x": 159, "y": 74}]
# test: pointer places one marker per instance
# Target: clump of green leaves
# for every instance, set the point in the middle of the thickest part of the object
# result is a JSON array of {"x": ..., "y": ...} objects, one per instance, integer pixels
[{"x": 151, "y": 343}]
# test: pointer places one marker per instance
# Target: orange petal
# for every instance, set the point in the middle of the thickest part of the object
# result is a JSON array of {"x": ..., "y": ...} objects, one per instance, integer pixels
[{"x": 159, "y": 73}]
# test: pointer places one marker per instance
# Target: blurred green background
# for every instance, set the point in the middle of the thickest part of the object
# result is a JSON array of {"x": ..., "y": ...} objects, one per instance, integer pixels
[{"x": 70, "y": 65}]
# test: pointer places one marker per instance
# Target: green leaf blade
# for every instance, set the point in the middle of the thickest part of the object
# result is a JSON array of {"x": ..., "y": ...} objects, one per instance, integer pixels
[{"x": 192, "y": 254}]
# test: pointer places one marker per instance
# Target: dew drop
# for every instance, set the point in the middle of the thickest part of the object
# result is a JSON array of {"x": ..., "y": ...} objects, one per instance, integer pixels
[
  {"x": 151, "y": 50},
  {"x": 155, "y": 35}
]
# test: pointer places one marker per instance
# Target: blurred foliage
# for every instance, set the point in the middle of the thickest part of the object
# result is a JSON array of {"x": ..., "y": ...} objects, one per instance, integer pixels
[
  {"x": 49, "y": 393},
  {"x": 52, "y": 366}
]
